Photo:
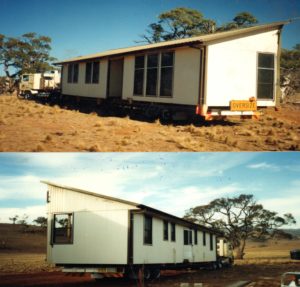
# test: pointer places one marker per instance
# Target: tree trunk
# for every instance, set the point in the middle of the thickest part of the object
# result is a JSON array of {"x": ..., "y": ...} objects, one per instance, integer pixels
[{"x": 239, "y": 254}]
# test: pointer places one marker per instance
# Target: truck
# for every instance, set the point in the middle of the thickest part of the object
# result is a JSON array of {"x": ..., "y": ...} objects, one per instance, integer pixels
[{"x": 39, "y": 84}]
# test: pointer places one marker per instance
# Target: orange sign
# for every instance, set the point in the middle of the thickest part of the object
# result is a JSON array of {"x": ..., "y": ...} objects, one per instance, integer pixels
[{"x": 243, "y": 105}]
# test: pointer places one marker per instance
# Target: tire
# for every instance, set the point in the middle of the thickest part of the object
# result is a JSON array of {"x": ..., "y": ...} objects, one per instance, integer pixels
[
  {"x": 147, "y": 274},
  {"x": 27, "y": 96},
  {"x": 220, "y": 265},
  {"x": 155, "y": 273}
]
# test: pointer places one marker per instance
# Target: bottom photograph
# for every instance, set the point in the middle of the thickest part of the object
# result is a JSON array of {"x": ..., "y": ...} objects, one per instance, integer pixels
[{"x": 150, "y": 219}]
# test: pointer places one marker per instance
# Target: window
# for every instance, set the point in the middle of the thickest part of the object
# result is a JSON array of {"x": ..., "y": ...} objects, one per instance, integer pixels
[
  {"x": 63, "y": 228},
  {"x": 166, "y": 74},
  {"x": 156, "y": 71},
  {"x": 166, "y": 230},
  {"x": 25, "y": 78},
  {"x": 92, "y": 72},
  {"x": 187, "y": 237},
  {"x": 73, "y": 73},
  {"x": 152, "y": 72},
  {"x": 173, "y": 232},
  {"x": 139, "y": 75},
  {"x": 204, "y": 238},
  {"x": 147, "y": 229},
  {"x": 265, "y": 76},
  {"x": 196, "y": 237},
  {"x": 211, "y": 241}
]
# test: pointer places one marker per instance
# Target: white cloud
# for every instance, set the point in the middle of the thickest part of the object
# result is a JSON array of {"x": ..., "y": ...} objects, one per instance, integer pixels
[
  {"x": 20, "y": 187},
  {"x": 178, "y": 201},
  {"x": 32, "y": 211},
  {"x": 264, "y": 166},
  {"x": 284, "y": 205}
]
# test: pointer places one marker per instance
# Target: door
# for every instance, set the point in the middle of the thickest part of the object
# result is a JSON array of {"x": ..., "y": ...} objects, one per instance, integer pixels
[
  {"x": 115, "y": 78},
  {"x": 188, "y": 245}
]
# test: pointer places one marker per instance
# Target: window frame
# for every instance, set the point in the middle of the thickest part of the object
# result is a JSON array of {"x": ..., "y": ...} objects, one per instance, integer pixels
[
  {"x": 91, "y": 79},
  {"x": 173, "y": 232},
  {"x": 204, "y": 238},
  {"x": 159, "y": 73},
  {"x": 195, "y": 237},
  {"x": 187, "y": 237},
  {"x": 71, "y": 239},
  {"x": 146, "y": 217},
  {"x": 165, "y": 230},
  {"x": 211, "y": 241},
  {"x": 258, "y": 68},
  {"x": 72, "y": 76}
]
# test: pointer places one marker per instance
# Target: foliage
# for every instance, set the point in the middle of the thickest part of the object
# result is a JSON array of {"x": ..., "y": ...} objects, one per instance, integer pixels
[
  {"x": 240, "y": 218},
  {"x": 178, "y": 23},
  {"x": 26, "y": 54},
  {"x": 14, "y": 218},
  {"x": 23, "y": 220},
  {"x": 241, "y": 20},
  {"x": 185, "y": 22},
  {"x": 290, "y": 71},
  {"x": 41, "y": 221}
]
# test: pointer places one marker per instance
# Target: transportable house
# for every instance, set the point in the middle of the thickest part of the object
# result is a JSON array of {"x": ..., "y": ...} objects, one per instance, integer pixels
[
  {"x": 226, "y": 73},
  {"x": 94, "y": 233}
]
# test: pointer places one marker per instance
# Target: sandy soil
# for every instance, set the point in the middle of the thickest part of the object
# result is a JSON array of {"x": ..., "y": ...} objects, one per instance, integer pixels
[{"x": 31, "y": 126}]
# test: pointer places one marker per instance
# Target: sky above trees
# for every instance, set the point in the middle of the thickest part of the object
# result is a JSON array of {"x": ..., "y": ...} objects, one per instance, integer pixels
[
  {"x": 172, "y": 182},
  {"x": 79, "y": 27}
]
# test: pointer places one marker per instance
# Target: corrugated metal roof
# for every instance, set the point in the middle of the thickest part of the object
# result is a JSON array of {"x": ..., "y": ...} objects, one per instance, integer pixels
[
  {"x": 143, "y": 207},
  {"x": 204, "y": 39}
]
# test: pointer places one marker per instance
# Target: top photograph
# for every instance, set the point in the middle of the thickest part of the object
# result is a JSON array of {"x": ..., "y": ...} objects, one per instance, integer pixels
[{"x": 150, "y": 76}]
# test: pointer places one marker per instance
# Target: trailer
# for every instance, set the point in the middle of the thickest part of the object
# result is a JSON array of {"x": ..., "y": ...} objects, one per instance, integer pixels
[
  {"x": 233, "y": 73},
  {"x": 39, "y": 84},
  {"x": 106, "y": 236}
]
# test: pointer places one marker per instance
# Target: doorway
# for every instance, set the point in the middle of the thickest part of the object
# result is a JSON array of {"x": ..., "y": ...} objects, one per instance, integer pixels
[{"x": 115, "y": 78}]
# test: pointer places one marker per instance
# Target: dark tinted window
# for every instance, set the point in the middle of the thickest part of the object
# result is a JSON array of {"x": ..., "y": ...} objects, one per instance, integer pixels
[
  {"x": 265, "y": 76},
  {"x": 211, "y": 240},
  {"x": 266, "y": 61},
  {"x": 139, "y": 62},
  {"x": 151, "y": 82},
  {"x": 152, "y": 61},
  {"x": 96, "y": 68},
  {"x": 166, "y": 230},
  {"x": 204, "y": 238},
  {"x": 147, "y": 229},
  {"x": 63, "y": 228},
  {"x": 75, "y": 75},
  {"x": 173, "y": 232},
  {"x": 88, "y": 72},
  {"x": 196, "y": 237},
  {"x": 167, "y": 59}
]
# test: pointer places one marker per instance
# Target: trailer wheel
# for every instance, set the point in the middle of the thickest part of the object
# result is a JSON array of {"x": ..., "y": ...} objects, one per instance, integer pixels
[
  {"x": 220, "y": 265},
  {"x": 27, "y": 95},
  {"x": 147, "y": 274},
  {"x": 155, "y": 273}
]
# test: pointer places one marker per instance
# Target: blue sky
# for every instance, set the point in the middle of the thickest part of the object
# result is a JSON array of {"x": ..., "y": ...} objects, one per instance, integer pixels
[
  {"x": 172, "y": 182},
  {"x": 79, "y": 27}
]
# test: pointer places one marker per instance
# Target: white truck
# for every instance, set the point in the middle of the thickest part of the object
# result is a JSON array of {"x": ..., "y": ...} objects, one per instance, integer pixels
[{"x": 39, "y": 84}]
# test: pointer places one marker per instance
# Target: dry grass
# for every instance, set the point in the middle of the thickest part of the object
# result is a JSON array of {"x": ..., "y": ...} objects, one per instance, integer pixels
[{"x": 30, "y": 126}]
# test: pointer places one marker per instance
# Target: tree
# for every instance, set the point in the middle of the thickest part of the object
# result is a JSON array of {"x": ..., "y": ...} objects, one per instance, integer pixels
[
  {"x": 178, "y": 23},
  {"x": 41, "y": 221},
  {"x": 290, "y": 71},
  {"x": 14, "y": 219},
  {"x": 241, "y": 20},
  {"x": 23, "y": 220},
  {"x": 26, "y": 54},
  {"x": 240, "y": 218}
]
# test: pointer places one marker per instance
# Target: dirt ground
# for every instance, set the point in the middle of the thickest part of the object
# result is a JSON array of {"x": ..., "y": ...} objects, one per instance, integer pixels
[
  {"x": 263, "y": 266},
  {"x": 32, "y": 126}
]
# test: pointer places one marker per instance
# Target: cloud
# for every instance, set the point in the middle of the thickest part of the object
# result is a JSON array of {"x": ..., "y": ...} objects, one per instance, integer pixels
[
  {"x": 264, "y": 166},
  {"x": 20, "y": 187}
]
